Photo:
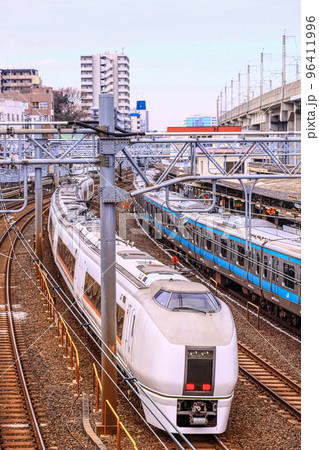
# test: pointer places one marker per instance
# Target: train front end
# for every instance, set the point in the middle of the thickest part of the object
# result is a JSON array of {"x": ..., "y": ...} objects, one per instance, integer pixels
[{"x": 193, "y": 367}]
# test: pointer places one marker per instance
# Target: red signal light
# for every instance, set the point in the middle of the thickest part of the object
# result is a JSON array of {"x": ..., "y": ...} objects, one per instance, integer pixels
[
  {"x": 206, "y": 387},
  {"x": 190, "y": 387}
]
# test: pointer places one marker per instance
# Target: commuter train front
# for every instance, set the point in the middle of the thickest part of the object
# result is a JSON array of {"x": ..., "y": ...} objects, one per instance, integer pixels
[{"x": 175, "y": 337}]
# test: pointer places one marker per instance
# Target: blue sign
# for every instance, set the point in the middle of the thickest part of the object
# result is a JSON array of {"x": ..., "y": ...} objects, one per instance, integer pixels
[{"x": 141, "y": 104}]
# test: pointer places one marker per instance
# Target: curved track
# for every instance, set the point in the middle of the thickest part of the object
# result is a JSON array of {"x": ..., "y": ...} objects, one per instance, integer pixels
[
  {"x": 275, "y": 383},
  {"x": 18, "y": 425}
]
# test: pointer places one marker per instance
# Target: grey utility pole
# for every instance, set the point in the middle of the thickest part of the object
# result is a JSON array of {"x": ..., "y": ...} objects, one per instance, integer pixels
[
  {"x": 108, "y": 261},
  {"x": 38, "y": 188}
]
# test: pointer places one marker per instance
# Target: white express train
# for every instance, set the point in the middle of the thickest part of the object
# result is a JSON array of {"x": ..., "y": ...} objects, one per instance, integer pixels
[{"x": 175, "y": 337}]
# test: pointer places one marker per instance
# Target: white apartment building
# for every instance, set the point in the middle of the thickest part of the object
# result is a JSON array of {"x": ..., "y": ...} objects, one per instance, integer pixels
[{"x": 108, "y": 74}]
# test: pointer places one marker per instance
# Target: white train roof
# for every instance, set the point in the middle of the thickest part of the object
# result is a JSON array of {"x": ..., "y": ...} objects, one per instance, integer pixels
[
  {"x": 138, "y": 266},
  {"x": 143, "y": 276}
]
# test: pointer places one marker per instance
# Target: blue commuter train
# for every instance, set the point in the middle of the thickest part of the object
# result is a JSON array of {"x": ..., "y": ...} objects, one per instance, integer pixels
[{"x": 269, "y": 268}]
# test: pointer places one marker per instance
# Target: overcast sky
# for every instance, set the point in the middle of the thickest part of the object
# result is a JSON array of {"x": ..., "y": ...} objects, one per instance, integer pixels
[{"x": 182, "y": 53}]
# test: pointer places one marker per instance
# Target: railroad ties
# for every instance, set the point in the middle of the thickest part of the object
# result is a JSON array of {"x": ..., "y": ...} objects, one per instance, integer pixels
[
  {"x": 276, "y": 383},
  {"x": 16, "y": 430},
  {"x": 18, "y": 425}
]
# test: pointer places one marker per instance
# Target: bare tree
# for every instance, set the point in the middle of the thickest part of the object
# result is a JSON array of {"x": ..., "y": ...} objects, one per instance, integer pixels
[{"x": 67, "y": 104}]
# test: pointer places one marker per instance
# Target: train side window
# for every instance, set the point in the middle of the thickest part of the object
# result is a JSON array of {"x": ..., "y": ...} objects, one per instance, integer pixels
[
  {"x": 208, "y": 244},
  {"x": 241, "y": 255},
  {"x": 92, "y": 291},
  {"x": 257, "y": 263},
  {"x": 289, "y": 276},
  {"x": 66, "y": 256},
  {"x": 232, "y": 250},
  {"x": 120, "y": 314},
  {"x": 265, "y": 266},
  {"x": 223, "y": 248}
]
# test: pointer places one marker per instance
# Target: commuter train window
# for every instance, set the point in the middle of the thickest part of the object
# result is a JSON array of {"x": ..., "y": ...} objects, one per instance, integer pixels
[
  {"x": 241, "y": 255},
  {"x": 66, "y": 256},
  {"x": 289, "y": 276},
  {"x": 265, "y": 266},
  {"x": 223, "y": 248},
  {"x": 232, "y": 250},
  {"x": 208, "y": 244},
  {"x": 92, "y": 292},
  {"x": 120, "y": 314},
  {"x": 257, "y": 263}
]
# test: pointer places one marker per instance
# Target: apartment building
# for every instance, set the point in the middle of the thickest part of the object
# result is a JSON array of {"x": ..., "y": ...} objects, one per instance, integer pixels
[
  {"x": 110, "y": 74},
  {"x": 21, "y": 80},
  {"x": 38, "y": 102}
]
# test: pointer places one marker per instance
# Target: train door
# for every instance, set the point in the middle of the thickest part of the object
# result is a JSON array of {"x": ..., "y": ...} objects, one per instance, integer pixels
[{"x": 130, "y": 319}]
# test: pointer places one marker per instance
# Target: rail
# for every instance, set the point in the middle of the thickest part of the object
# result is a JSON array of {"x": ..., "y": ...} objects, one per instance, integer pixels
[
  {"x": 277, "y": 384},
  {"x": 18, "y": 363}
]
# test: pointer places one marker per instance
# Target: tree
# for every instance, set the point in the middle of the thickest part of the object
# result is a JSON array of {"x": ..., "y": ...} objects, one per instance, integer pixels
[{"x": 67, "y": 104}]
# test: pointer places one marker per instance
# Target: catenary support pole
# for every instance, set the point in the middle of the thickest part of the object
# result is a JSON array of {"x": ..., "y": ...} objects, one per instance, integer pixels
[
  {"x": 38, "y": 188},
  {"x": 108, "y": 260}
]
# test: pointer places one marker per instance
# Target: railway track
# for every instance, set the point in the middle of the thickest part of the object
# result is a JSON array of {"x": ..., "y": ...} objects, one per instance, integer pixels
[
  {"x": 18, "y": 424},
  {"x": 279, "y": 386}
]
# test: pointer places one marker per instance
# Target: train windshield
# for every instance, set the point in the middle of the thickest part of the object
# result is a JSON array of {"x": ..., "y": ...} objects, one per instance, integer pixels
[{"x": 187, "y": 301}]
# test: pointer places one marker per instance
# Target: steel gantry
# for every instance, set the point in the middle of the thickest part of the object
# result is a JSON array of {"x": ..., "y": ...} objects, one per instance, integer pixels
[{"x": 99, "y": 148}]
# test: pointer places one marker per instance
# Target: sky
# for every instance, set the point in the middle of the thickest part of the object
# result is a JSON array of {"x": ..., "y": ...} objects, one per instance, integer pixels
[{"x": 182, "y": 53}]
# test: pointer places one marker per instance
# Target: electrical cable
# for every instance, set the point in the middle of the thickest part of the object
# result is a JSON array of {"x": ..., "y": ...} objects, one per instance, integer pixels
[{"x": 106, "y": 133}]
